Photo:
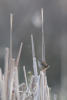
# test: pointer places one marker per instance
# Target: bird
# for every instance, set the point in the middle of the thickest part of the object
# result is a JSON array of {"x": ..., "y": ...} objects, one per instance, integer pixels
[{"x": 43, "y": 65}]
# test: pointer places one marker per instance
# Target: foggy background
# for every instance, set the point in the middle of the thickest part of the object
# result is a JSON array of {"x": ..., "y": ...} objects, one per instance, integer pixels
[{"x": 26, "y": 21}]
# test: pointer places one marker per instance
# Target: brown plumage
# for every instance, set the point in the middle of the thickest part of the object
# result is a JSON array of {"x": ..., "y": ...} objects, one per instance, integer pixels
[{"x": 44, "y": 66}]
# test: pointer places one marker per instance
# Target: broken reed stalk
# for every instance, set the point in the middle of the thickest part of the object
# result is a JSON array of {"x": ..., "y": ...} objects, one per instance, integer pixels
[
  {"x": 25, "y": 76},
  {"x": 6, "y": 72},
  {"x": 34, "y": 58},
  {"x": 18, "y": 57}
]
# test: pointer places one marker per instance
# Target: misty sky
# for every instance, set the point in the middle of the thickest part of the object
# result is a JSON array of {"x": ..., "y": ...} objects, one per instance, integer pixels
[{"x": 55, "y": 27}]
